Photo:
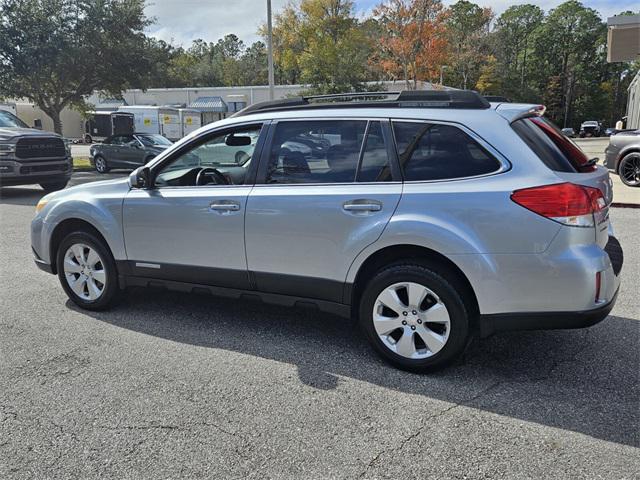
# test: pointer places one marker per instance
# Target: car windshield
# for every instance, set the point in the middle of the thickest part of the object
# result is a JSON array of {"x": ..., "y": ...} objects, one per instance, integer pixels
[
  {"x": 153, "y": 140},
  {"x": 11, "y": 121}
]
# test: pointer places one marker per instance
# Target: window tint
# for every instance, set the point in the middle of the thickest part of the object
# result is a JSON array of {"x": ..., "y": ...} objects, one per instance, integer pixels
[
  {"x": 432, "y": 152},
  {"x": 375, "y": 165},
  {"x": 317, "y": 151}
]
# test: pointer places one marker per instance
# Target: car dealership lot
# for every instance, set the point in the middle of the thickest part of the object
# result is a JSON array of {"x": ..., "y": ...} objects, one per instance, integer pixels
[{"x": 171, "y": 385}]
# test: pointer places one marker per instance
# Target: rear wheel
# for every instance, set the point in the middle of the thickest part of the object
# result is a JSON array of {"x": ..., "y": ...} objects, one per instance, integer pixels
[
  {"x": 54, "y": 186},
  {"x": 414, "y": 318},
  {"x": 87, "y": 271},
  {"x": 101, "y": 164},
  {"x": 629, "y": 169}
]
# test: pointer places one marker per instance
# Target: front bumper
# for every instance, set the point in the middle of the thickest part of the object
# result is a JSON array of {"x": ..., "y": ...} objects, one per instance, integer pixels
[{"x": 13, "y": 172}]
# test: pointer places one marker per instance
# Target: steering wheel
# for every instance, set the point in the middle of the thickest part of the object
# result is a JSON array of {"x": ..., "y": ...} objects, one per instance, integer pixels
[{"x": 214, "y": 173}]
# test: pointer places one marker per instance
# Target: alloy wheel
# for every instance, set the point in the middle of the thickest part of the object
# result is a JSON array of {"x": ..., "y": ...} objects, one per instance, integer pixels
[
  {"x": 411, "y": 320},
  {"x": 101, "y": 166},
  {"x": 84, "y": 272},
  {"x": 630, "y": 171}
]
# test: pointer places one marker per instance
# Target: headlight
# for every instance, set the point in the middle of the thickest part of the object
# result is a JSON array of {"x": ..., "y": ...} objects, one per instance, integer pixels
[
  {"x": 41, "y": 204},
  {"x": 67, "y": 146},
  {"x": 7, "y": 148}
]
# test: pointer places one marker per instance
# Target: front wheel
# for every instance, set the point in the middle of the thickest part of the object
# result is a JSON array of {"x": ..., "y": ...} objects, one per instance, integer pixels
[
  {"x": 414, "y": 318},
  {"x": 629, "y": 170},
  {"x": 87, "y": 271},
  {"x": 54, "y": 186}
]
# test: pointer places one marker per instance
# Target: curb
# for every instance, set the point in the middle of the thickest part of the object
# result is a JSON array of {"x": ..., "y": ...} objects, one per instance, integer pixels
[{"x": 625, "y": 205}]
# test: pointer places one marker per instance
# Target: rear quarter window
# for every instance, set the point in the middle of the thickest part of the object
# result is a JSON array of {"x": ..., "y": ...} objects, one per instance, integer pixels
[
  {"x": 429, "y": 151},
  {"x": 555, "y": 150}
]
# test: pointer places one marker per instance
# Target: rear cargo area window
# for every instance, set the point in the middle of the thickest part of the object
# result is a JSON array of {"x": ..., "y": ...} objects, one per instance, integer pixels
[
  {"x": 435, "y": 152},
  {"x": 554, "y": 149}
]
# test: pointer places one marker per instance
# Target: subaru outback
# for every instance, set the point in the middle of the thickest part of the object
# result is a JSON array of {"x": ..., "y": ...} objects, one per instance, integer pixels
[{"x": 428, "y": 216}]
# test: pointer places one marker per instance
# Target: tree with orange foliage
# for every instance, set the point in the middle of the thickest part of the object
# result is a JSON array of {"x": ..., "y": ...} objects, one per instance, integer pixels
[{"x": 413, "y": 43}]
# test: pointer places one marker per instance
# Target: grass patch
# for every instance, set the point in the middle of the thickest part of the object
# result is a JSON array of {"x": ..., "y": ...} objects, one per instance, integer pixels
[{"x": 81, "y": 163}]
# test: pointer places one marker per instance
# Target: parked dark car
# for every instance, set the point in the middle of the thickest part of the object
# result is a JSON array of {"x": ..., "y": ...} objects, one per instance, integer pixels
[
  {"x": 29, "y": 156},
  {"x": 590, "y": 128},
  {"x": 623, "y": 156},
  {"x": 610, "y": 131},
  {"x": 569, "y": 132},
  {"x": 127, "y": 151}
]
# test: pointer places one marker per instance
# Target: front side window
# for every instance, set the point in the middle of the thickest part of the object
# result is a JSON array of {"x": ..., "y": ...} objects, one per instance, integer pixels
[
  {"x": 153, "y": 140},
  {"x": 222, "y": 159},
  {"x": 315, "y": 151},
  {"x": 429, "y": 151}
]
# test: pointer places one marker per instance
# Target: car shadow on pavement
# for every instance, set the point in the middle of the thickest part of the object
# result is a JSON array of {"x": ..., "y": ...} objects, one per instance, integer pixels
[
  {"x": 25, "y": 196},
  {"x": 585, "y": 380}
]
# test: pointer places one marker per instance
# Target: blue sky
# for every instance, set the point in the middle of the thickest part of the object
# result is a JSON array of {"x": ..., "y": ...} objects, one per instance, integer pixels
[{"x": 183, "y": 21}]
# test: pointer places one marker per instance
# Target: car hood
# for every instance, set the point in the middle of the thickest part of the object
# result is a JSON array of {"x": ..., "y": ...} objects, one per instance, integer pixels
[
  {"x": 10, "y": 132},
  {"x": 115, "y": 187}
]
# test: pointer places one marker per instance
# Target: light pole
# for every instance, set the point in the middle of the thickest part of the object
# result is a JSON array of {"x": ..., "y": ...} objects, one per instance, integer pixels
[
  {"x": 442, "y": 67},
  {"x": 270, "y": 50}
]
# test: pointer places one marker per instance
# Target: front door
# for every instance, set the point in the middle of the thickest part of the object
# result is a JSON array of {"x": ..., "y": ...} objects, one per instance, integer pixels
[
  {"x": 325, "y": 190},
  {"x": 190, "y": 226}
]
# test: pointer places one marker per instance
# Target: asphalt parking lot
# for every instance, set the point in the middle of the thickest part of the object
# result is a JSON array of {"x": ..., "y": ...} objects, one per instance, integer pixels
[{"x": 172, "y": 385}]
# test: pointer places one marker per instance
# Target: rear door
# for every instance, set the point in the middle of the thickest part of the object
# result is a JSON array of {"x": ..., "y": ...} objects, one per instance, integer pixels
[{"x": 326, "y": 189}]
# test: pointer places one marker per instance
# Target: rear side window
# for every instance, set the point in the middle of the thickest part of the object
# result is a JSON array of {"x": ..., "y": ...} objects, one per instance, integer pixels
[
  {"x": 554, "y": 149},
  {"x": 428, "y": 151}
]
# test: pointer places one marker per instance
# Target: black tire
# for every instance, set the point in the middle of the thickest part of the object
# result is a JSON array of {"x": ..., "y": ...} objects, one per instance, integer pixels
[
  {"x": 436, "y": 282},
  {"x": 87, "y": 139},
  {"x": 628, "y": 169},
  {"x": 111, "y": 292},
  {"x": 101, "y": 165},
  {"x": 54, "y": 186}
]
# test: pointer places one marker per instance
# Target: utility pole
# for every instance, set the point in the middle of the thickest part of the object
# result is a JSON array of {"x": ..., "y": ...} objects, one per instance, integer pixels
[{"x": 270, "y": 50}]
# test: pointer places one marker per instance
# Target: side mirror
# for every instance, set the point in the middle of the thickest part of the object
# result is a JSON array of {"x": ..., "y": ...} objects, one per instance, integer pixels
[
  {"x": 37, "y": 123},
  {"x": 140, "y": 178}
]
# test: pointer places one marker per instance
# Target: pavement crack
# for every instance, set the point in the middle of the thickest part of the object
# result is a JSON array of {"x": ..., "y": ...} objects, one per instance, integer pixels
[{"x": 424, "y": 425}]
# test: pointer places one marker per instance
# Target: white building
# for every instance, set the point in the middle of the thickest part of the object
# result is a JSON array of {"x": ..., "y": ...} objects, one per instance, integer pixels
[{"x": 214, "y": 103}]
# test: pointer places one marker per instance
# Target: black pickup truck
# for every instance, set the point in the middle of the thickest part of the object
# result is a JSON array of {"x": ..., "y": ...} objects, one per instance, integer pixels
[{"x": 28, "y": 156}]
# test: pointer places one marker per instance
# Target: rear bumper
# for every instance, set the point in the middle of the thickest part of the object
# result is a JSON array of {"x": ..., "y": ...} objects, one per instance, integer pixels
[{"x": 502, "y": 322}]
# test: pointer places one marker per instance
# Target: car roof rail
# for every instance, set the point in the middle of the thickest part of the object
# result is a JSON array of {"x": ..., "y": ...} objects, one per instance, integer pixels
[{"x": 461, "y": 99}]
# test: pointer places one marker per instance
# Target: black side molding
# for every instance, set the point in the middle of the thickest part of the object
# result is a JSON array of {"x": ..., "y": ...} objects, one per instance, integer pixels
[{"x": 503, "y": 322}]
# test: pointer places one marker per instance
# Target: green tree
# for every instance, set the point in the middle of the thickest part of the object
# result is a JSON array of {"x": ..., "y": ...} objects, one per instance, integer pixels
[
  {"x": 571, "y": 45},
  {"x": 468, "y": 29},
  {"x": 320, "y": 42},
  {"x": 512, "y": 42},
  {"x": 57, "y": 52}
]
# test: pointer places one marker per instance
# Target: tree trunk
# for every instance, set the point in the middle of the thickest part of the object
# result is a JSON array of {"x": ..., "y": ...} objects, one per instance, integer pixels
[{"x": 54, "y": 113}]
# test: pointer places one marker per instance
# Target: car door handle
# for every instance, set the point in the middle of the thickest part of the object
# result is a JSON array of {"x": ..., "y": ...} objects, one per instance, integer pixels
[
  {"x": 362, "y": 207},
  {"x": 225, "y": 206}
]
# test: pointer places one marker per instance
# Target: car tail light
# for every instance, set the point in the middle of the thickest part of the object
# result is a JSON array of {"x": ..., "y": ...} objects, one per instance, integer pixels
[{"x": 566, "y": 203}]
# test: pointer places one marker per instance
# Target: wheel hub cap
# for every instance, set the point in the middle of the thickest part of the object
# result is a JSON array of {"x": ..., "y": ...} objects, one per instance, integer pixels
[
  {"x": 411, "y": 320},
  {"x": 84, "y": 271}
]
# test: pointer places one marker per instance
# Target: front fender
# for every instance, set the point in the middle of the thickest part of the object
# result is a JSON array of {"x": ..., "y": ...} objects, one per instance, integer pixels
[{"x": 105, "y": 215}]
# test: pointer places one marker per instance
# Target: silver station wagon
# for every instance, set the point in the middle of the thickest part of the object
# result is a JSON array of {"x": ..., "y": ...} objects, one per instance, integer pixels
[{"x": 428, "y": 216}]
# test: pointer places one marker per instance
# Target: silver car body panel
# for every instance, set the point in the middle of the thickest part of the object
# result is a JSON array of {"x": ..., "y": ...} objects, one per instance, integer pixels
[{"x": 514, "y": 259}]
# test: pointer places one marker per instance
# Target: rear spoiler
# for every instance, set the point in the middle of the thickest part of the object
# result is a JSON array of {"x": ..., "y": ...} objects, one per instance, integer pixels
[{"x": 517, "y": 111}]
